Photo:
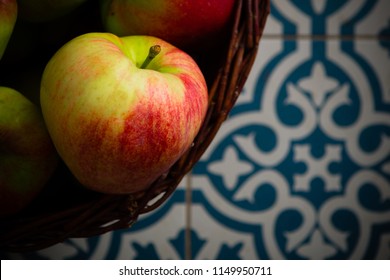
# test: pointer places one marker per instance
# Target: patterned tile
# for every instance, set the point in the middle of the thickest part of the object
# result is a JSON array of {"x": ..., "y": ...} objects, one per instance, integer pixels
[
  {"x": 300, "y": 170},
  {"x": 329, "y": 17},
  {"x": 160, "y": 235}
]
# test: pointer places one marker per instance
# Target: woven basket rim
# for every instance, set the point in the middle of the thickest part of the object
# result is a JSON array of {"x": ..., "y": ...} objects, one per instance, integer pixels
[{"x": 38, "y": 231}]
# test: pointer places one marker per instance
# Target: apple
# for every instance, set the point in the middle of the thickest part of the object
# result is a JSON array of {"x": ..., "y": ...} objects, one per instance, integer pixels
[
  {"x": 182, "y": 23},
  {"x": 27, "y": 155},
  {"x": 118, "y": 116},
  {"x": 8, "y": 15},
  {"x": 46, "y": 10}
]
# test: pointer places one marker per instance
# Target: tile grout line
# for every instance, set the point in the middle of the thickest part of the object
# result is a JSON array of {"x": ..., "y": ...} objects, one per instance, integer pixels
[
  {"x": 188, "y": 214},
  {"x": 315, "y": 37}
]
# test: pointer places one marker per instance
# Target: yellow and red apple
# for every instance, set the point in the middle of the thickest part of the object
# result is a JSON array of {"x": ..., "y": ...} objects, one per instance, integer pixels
[
  {"x": 117, "y": 123},
  {"x": 27, "y": 155},
  {"x": 180, "y": 22},
  {"x": 8, "y": 15}
]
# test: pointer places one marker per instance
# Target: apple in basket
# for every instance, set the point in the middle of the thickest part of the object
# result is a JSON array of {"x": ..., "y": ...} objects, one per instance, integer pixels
[
  {"x": 122, "y": 110},
  {"x": 27, "y": 155},
  {"x": 183, "y": 23},
  {"x": 8, "y": 14}
]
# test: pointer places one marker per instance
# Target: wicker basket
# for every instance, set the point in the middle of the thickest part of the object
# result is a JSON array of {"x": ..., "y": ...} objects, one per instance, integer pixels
[{"x": 67, "y": 210}]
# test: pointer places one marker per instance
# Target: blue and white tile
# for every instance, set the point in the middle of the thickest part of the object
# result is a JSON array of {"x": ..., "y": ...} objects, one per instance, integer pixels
[
  {"x": 212, "y": 238},
  {"x": 328, "y": 17},
  {"x": 159, "y": 235},
  {"x": 302, "y": 163}
]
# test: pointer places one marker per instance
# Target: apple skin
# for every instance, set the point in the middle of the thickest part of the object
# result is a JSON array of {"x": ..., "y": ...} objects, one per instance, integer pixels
[
  {"x": 46, "y": 10},
  {"x": 182, "y": 23},
  {"x": 27, "y": 155},
  {"x": 8, "y": 15},
  {"x": 116, "y": 126}
]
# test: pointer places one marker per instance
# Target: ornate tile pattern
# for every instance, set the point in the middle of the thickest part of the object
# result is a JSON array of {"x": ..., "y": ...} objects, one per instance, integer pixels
[{"x": 300, "y": 170}]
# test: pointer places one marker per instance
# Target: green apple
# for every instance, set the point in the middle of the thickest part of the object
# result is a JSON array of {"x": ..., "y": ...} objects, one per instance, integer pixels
[
  {"x": 27, "y": 155},
  {"x": 182, "y": 23},
  {"x": 46, "y": 10},
  {"x": 118, "y": 118},
  {"x": 8, "y": 14}
]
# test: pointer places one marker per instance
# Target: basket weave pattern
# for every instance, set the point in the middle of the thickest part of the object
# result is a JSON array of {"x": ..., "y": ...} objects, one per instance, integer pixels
[{"x": 95, "y": 214}]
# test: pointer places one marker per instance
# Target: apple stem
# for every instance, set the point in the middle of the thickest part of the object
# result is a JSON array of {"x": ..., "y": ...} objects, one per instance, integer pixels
[{"x": 153, "y": 52}]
